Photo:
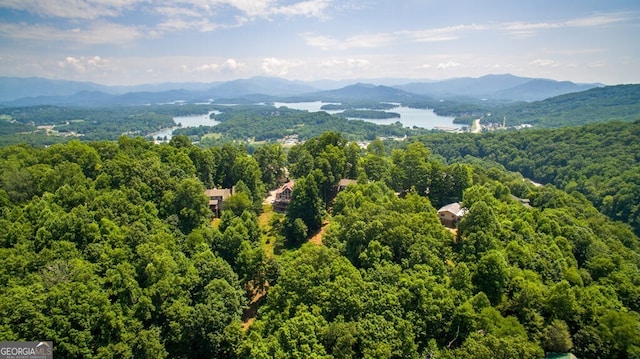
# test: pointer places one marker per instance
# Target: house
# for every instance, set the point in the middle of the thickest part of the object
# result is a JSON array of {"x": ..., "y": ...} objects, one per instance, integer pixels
[
  {"x": 216, "y": 197},
  {"x": 451, "y": 214},
  {"x": 283, "y": 196},
  {"x": 524, "y": 201},
  {"x": 344, "y": 183}
]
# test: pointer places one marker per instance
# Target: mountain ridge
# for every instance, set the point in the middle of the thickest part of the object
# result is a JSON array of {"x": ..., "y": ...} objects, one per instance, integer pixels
[{"x": 38, "y": 91}]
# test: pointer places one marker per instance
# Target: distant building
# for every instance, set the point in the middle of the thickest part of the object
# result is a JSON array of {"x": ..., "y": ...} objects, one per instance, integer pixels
[
  {"x": 283, "y": 196},
  {"x": 216, "y": 197},
  {"x": 524, "y": 201},
  {"x": 451, "y": 214},
  {"x": 344, "y": 183}
]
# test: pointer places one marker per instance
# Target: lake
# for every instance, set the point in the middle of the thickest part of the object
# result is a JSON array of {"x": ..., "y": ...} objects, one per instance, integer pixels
[
  {"x": 409, "y": 117},
  {"x": 183, "y": 122}
]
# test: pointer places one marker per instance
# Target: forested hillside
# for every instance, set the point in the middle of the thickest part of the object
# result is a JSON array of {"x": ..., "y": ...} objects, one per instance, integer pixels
[
  {"x": 602, "y": 104},
  {"x": 47, "y": 125},
  {"x": 621, "y": 102},
  {"x": 108, "y": 249},
  {"x": 601, "y": 161}
]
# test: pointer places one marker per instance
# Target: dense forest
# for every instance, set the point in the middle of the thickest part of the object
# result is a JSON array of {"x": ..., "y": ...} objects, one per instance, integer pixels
[
  {"x": 600, "y": 161},
  {"x": 621, "y": 102},
  {"x": 267, "y": 123},
  {"x": 370, "y": 114},
  {"x": 241, "y": 123},
  {"x": 109, "y": 249}
]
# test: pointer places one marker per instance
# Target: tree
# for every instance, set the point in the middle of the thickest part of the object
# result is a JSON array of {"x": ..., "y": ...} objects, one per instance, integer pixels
[
  {"x": 376, "y": 148},
  {"x": 205, "y": 165},
  {"x": 189, "y": 203},
  {"x": 306, "y": 205},
  {"x": 238, "y": 203},
  {"x": 352, "y": 165},
  {"x": 301, "y": 162},
  {"x": 271, "y": 160},
  {"x": 376, "y": 168},
  {"x": 412, "y": 168},
  {"x": 557, "y": 338},
  {"x": 491, "y": 276}
]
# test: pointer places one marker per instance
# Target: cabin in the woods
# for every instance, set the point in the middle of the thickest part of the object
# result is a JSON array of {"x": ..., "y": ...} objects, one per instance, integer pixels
[
  {"x": 451, "y": 214},
  {"x": 345, "y": 182},
  {"x": 283, "y": 196},
  {"x": 216, "y": 197}
]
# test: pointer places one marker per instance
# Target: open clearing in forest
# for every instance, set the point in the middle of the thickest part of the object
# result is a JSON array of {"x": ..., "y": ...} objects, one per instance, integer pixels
[
  {"x": 259, "y": 296},
  {"x": 317, "y": 238}
]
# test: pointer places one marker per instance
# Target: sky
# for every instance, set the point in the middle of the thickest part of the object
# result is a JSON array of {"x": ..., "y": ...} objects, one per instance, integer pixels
[{"x": 128, "y": 42}]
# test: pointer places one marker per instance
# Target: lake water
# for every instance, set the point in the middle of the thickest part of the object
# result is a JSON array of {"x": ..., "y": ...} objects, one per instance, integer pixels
[
  {"x": 183, "y": 122},
  {"x": 409, "y": 117}
]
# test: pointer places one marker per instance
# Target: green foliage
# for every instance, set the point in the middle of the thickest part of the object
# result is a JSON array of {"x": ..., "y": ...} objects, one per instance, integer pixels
[
  {"x": 369, "y": 114},
  {"x": 599, "y": 161},
  {"x": 619, "y": 102},
  {"x": 305, "y": 206},
  {"x": 271, "y": 160},
  {"x": 107, "y": 249},
  {"x": 264, "y": 123},
  {"x": 557, "y": 337}
]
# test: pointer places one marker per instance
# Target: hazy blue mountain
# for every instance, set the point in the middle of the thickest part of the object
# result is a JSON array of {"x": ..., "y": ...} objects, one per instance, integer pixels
[
  {"x": 13, "y": 88},
  {"x": 383, "y": 81},
  {"x": 539, "y": 89},
  {"x": 165, "y": 86},
  {"x": 37, "y": 91},
  {"x": 97, "y": 98},
  {"x": 82, "y": 98},
  {"x": 465, "y": 86},
  {"x": 362, "y": 92},
  {"x": 496, "y": 87},
  {"x": 272, "y": 86}
]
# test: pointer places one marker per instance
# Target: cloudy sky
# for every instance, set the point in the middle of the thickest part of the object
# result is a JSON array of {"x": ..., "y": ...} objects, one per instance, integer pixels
[{"x": 124, "y": 42}]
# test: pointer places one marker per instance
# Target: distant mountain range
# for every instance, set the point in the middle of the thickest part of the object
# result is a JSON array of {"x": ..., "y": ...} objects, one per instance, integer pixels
[
  {"x": 38, "y": 91},
  {"x": 362, "y": 92},
  {"x": 497, "y": 87}
]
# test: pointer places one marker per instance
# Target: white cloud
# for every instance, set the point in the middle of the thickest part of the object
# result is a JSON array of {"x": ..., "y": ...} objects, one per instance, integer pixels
[
  {"x": 544, "y": 63},
  {"x": 599, "y": 20},
  {"x": 84, "y": 64},
  {"x": 348, "y": 63},
  {"x": 278, "y": 67},
  {"x": 450, "y": 33},
  {"x": 526, "y": 29},
  {"x": 229, "y": 65},
  {"x": 311, "y": 8},
  {"x": 71, "y": 9},
  {"x": 97, "y": 33},
  {"x": 177, "y": 11},
  {"x": 440, "y": 34},
  {"x": 356, "y": 41},
  {"x": 447, "y": 65}
]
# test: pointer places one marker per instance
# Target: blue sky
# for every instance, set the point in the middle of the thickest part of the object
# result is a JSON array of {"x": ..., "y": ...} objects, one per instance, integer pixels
[{"x": 125, "y": 42}]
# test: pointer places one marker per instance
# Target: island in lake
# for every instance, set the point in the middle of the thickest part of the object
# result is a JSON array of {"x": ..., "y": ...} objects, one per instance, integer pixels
[{"x": 369, "y": 114}]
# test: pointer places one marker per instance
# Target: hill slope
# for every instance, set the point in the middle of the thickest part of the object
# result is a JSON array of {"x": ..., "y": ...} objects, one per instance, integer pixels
[
  {"x": 496, "y": 87},
  {"x": 363, "y": 92},
  {"x": 621, "y": 102}
]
